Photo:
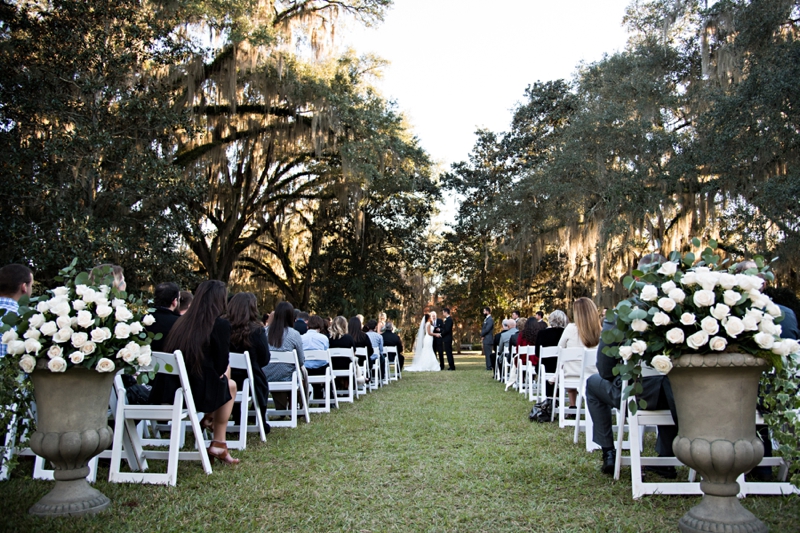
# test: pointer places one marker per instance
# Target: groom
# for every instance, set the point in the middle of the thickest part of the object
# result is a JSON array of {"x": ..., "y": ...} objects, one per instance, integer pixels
[
  {"x": 438, "y": 343},
  {"x": 446, "y": 341}
]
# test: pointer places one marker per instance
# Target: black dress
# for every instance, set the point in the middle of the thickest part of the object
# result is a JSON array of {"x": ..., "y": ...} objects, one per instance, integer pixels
[
  {"x": 345, "y": 341},
  {"x": 259, "y": 357},
  {"x": 210, "y": 389},
  {"x": 545, "y": 338}
]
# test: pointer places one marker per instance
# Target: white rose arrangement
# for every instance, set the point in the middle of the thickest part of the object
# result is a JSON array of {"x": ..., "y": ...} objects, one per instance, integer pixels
[{"x": 79, "y": 325}]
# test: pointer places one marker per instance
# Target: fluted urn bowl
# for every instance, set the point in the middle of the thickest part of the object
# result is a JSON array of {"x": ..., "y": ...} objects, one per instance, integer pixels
[
  {"x": 71, "y": 428},
  {"x": 715, "y": 398}
]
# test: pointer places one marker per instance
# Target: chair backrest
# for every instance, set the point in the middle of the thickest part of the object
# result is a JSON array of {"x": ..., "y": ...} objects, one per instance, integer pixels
[
  {"x": 548, "y": 351},
  {"x": 288, "y": 358},
  {"x": 648, "y": 371},
  {"x": 362, "y": 351},
  {"x": 590, "y": 358},
  {"x": 173, "y": 364},
  {"x": 570, "y": 354},
  {"x": 390, "y": 349},
  {"x": 342, "y": 352},
  {"x": 167, "y": 363},
  {"x": 317, "y": 355},
  {"x": 238, "y": 360}
]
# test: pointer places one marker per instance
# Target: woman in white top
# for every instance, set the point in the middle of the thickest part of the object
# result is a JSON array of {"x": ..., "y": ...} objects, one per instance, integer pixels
[{"x": 583, "y": 332}]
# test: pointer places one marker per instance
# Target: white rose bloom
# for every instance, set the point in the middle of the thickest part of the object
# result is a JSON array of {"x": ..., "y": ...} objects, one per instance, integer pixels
[
  {"x": 76, "y": 358},
  {"x": 727, "y": 281},
  {"x": 107, "y": 332},
  {"x": 122, "y": 314},
  {"x": 649, "y": 293},
  {"x": 703, "y": 298},
  {"x": 675, "y": 336},
  {"x": 55, "y": 351},
  {"x": 717, "y": 344},
  {"x": 768, "y": 326},
  {"x": 639, "y": 346},
  {"x": 793, "y": 345},
  {"x": 667, "y": 304},
  {"x": 661, "y": 319},
  {"x": 104, "y": 290},
  {"x": 57, "y": 364},
  {"x": 42, "y": 307},
  {"x": 148, "y": 320},
  {"x": 638, "y": 325},
  {"x": 746, "y": 283},
  {"x": 764, "y": 340},
  {"x": 133, "y": 347},
  {"x": 105, "y": 365},
  {"x": 88, "y": 348},
  {"x": 122, "y": 330},
  {"x": 61, "y": 309},
  {"x": 9, "y": 336},
  {"x": 678, "y": 295},
  {"x": 61, "y": 291},
  {"x": 731, "y": 298},
  {"x": 103, "y": 311},
  {"x": 697, "y": 340},
  {"x": 63, "y": 322},
  {"x": 78, "y": 305},
  {"x": 734, "y": 326},
  {"x": 116, "y": 302},
  {"x": 750, "y": 323},
  {"x": 62, "y": 335},
  {"x": 15, "y": 347},
  {"x": 37, "y": 321},
  {"x": 85, "y": 319},
  {"x": 49, "y": 328},
  {"x": 708, "y": 280},
  {"x": 758, "y": 300},
  {"x": 144, "y": 359},
  {"x": 773, "y": 310},
  {"x": 32, "y": 346},
  {"x": 125, "y": 354},
  {"x": 101, "y": 300},
  {"x": 79, "y": 339},
  {"x": 668, "y": 269},
  {"x": 73, "y": 322},
  {"x": 689, "y": 279},
  {"x": 668, "y": 286},
  {"x": 720, "y": 312},
  {"x": 781, "y": 348},
  {"x": 98, "y": 335},
  {"x": 80, "y": 290},
  {"x": 688, "y": 319},
  {"x": 710, "y": 325},
  {"x": 625, "y": 352},
  {"x": 89, "y": 295},
  {"x": 778, "y": 330},
  {"x": 27, "y": 363},
  {"x": 136, "y": 328},
  {"x": 32, "y": 334},
  {"x": 145, "y": 349},
  {"x": 662, "y": 363}
]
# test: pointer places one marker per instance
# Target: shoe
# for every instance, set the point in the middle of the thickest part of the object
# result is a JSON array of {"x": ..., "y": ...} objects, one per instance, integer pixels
[
  {"x": 451, "y": 369},
  {"x": 223, "y": 457},
  {"x": 609, "y": 461},
  {"x": 667, "y": 472}
]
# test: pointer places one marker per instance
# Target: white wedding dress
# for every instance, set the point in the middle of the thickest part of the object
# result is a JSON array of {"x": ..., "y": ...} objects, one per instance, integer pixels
[{"x": 424, "y": 356}]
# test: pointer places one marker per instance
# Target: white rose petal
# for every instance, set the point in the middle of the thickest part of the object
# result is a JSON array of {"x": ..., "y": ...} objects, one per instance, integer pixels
[
  {"x": 126, "y": 355},
  {"x": 703, "y": 298},
  {"x": 710, "y": 325},
  {"x": 731, "y": 298},
  {"x": 764, "y": 340},
  {"x": 720, "y": 312},
  {"x": 148, "y": 320},
  {"x": 103, "y": 311},
  {"x": 122, "y": 314},
  {"x": 708, "y": 280},
  {"x": 773, "y": 310},
  {"x": 63, "y": 322},
  {"x": 37, "y": 321},
  {"x": 145, "y": 350},
  {"x": 781, "y": 348},
  {"x": 144, "y": 359},
  {"x": 79, "y": 339},
  {"x": 88, "y": 348},
  {"x": 638, "y": 325},
  {"x": 717, "y": 344},
  {"x": 758, "y": 299},
  {"x": 734, "y": 326},
  {"x": 675, "y": 336},
  {"x": 105, "y": 365},
  {"x": 33, "y": 334},
  {"x": 57, "y": 364},
  {"x": 15, "y": 347},
  {"x": 89, "y": 295},
  {"x": 697, "y": 340},
  {"x": 55, "y": 351},
  {"x": 793, "y": 345},
  {"x": 60, "y": 291},
  {"x": 749, "y": 322},
  {"x": 136, "y": 328},
  {"x": 80, "y": 290},
  {"x": 689, "y": 279},
  {"x": 662, "y": 363},
  {"x": 62, "y": 335},
  {"x": 79, "y": 305},
  {"x": 747, "y": 282},
  {"x": 116, "y": 302},
  {"x": 85, "y": 319},
  {"x": 661, "y": 319},
  {"x": 104, "y": 290},
  {"x": 61, "y": 309},
  {"x": 727, "y": 281},
  {"x": 768, "y": 326},
  {"x": 668, "y": 269},
  {"x": 98, "y": 335},
  {"x": 649, "y": 293},
  {"x": 625, "y": 352},
  {"x": 27, "y": 363},
  {"x": 668, "y": 286},
  {"x": 76, "y": 358},
  {"x": 667, "y": 304},
  {"x": 42, "y": 307},
  {"x": 9, "y": 336},
  {"x": 678, "y": 295},
  {"x": 639, "y": 346},
  {"x": 101, "y": 300},
  {"x": 122, "y": 330},
  {"x": 107, "y": 332},
  {"x": 133, "y": 347},
  {"x": 32, "y": 346}
]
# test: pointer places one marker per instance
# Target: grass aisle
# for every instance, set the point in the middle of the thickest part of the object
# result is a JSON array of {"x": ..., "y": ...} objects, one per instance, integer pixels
[{"x": 444, "y": 451}]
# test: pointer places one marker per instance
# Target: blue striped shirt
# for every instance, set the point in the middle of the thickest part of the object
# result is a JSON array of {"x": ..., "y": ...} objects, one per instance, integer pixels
[{"x": 11, "y": 306}]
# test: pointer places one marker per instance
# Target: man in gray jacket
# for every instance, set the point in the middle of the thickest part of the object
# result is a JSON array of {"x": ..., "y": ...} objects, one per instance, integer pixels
[{"x": 487, "y": 337}]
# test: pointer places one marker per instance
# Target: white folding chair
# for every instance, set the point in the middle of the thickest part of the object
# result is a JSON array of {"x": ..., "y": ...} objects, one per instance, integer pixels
[
  {"x": 326, "y": 380},
  {"x": 350, "y": 373},
  {"x": 392, "y": 360},
  {"x": 566, "y": 355},
  {"x": 182, "y": 408},
  {"x": 581, "y": 423},
  {"x": 362, "y": 369},
  {"x": 531, "y": 377},
  {"x": 376, "y": 379},
  {"x": 248, "y": 404},
  {"x": 292, "y": 386},
  {"x": 549, "y": 352},
  {"x": 523, "y": 380}
]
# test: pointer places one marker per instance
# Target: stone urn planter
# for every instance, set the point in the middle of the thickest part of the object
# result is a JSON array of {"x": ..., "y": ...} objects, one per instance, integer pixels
[
  {"x": 715, "y": 398},
  {"x": 71, "y": 428}
]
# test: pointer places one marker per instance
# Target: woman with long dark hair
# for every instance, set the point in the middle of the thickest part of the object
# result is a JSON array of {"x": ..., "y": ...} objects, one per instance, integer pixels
[
  {"x": 282, "y": 337},
  {"x": 528, "y": 338},
  {"x": 203, "y": 337},
  {"x": 248, "y": 335},
  {"x": 360, "y": 340}
]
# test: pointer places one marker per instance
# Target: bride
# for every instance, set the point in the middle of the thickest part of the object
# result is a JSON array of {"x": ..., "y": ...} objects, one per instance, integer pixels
[{"x": 424, "y": 357}]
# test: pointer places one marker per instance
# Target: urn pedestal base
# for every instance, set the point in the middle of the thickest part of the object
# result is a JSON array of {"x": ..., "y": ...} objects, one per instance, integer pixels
[
  {"x": 75, "y": 497},
  {"x": 715, "y": 513}
]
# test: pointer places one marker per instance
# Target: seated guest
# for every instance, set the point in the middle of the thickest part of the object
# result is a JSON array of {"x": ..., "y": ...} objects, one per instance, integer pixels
[
  {"x": 313, "y": 339},
  {"x": 166, "y": 299},
  {"x": 512, "y": 342},
  {"x": 377, "y": 344},
  {"x": 509, "y": 328},
  {"x": 203, "y": 337},
  {"x": 360, "y": 340},
  {"x": 186, "y": 301},
  {"x": 583, "y": 333},
  {"x": 282, "y": 337},
  {"x": 549, "y": 337},
  {"x": 390, "y": 338},
  {"x": 527, "y": 337},
  {"x": 248, "y": 335},
  {"x": 381, "y": 323},
  {"x": 540, "y": 316},
  {"x": 339, "y": 338},
  {"x": 16, "y": 281},
  {"x": 99, "y": 274},
  {"x": 301, "y": 323},
  {"x": 326, "y": 326}
]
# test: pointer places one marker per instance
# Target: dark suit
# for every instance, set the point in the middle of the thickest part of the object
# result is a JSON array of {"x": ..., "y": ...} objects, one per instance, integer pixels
[
  {"x": 165, "y": 319},
  {"x": 447, "y": 343},
  {"x": 390, "y": 338},
  {"x": 487, "y": 332},
  {"x": 438, "y": 345},
  {"x": 163, "y": 385}
]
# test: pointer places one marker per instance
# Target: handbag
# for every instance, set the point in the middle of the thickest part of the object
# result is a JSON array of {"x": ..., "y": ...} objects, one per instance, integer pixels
[{"x": 542, "y": 411}]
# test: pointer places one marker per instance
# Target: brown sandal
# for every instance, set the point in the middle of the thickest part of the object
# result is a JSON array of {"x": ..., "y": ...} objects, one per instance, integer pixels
[{"x": 223, "y": 457}]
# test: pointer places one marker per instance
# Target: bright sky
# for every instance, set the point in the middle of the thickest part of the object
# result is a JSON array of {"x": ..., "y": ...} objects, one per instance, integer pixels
[{"x": 456, "y": 65}]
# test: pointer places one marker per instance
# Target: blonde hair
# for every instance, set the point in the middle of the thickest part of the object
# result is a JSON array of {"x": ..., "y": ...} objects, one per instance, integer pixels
[
  {"x": 587, "y": 322},
  {"x": 521, "y": 323},
  {"x": 338, "y": 327}
]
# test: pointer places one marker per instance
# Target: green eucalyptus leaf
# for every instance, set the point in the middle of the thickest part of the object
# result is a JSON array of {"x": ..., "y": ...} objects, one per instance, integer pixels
[
  {"x": 688, "y": 259},
  {"x": 712, "y": 244},
  {"x": 696, "y": 242}
]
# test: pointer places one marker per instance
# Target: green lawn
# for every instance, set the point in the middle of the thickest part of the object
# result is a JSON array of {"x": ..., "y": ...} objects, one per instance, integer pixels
[{"x": 445, "y": 451}]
